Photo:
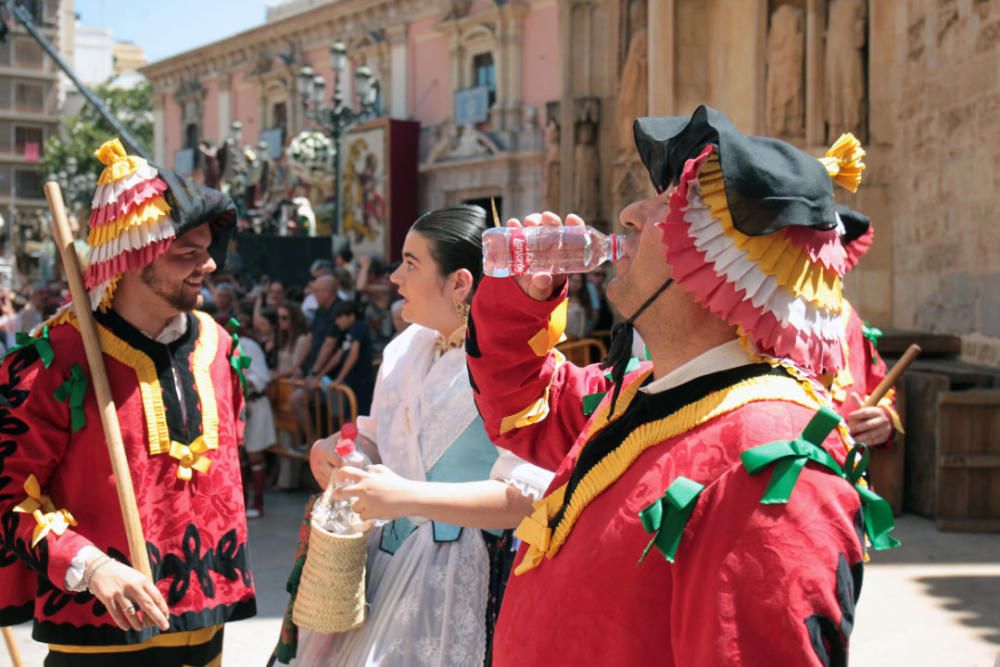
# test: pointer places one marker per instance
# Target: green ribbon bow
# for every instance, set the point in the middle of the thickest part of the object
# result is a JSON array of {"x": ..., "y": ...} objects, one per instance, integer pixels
[
  {"x": 41, "y": 343},
  {"x": 591, "y": 401},
  {"x": 873, "y": 334},
  {"x": 667, "y": 516},
  {"x": 74, "y": 389},
  {"x": 790, "y": 456},
  {"x": 237, "y": 361},
  {"x": 633, "y": 364}
]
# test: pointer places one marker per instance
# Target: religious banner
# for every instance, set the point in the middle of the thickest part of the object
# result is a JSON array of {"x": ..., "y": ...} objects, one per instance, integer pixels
[{"x": 379, "y": 172}]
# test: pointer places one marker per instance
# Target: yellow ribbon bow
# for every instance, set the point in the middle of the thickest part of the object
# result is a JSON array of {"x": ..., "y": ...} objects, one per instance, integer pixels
[
  {"x": 48, "y": 518},
  {"x": 534, "y": 530},
  {"x": 56, "y": 522},
  {"x": 191, "y": 457},
  {"x": 843, "y": 162}
]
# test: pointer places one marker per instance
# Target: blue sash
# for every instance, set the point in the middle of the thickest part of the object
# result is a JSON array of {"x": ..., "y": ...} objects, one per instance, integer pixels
[{"x": 469, "y": 459}]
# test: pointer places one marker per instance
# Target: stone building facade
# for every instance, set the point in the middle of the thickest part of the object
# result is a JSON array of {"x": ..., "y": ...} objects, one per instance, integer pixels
[{"x": 916, "y": 80}]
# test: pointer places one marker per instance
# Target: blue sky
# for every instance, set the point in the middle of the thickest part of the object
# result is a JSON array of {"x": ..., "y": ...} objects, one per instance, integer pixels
[{"x": 165, "y": 27}]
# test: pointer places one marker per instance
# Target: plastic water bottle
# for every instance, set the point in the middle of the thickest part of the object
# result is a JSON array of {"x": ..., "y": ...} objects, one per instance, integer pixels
[
  {"x": 336, "y": 516},
  {"x": 518, "y": 251}
]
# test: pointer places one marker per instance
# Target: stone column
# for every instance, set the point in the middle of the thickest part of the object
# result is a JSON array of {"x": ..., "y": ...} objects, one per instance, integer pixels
[
  {"x": 815, "y": 29},
  {"x": 224, "y": 109},
  {"x": 661, "y": 57},
  {"x": 398, "y": 87},
  {"x": 159, "y": 129}
]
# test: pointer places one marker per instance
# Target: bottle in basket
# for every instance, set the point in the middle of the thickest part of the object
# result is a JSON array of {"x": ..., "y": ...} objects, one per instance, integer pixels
[
  {"x": 331, "y": 593},
  {"x": 336, "y": 516},
  {"x": 516, "y": 251}
]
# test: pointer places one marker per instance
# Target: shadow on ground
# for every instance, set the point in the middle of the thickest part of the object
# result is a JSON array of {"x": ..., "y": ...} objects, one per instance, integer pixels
[{"x": 971, "y": 598}]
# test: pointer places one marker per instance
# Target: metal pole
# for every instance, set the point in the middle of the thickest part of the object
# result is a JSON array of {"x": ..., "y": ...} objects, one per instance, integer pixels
[
  {"x": 9, "y": 250},
  {"x": 22, "y": 15},
  {"x": 336, "y": 182}
]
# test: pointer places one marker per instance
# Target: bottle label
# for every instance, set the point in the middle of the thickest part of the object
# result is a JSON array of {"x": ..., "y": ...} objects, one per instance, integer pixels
[{"x": 520, "y": 254}]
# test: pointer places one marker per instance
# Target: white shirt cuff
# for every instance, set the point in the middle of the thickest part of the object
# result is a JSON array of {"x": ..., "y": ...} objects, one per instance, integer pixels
[{"x": 77, "y": 567}]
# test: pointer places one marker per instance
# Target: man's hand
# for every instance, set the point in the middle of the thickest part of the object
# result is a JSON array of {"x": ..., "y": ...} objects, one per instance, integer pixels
[
  {"x": 378, "y": 492},
  {"x": 125, "y": 592},
  {"x": 541, "y": 286},
  {"x": 871, "y": 426}
]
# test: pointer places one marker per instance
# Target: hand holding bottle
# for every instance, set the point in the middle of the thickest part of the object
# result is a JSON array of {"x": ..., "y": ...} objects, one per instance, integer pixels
[{"x": 542, "y": 286}]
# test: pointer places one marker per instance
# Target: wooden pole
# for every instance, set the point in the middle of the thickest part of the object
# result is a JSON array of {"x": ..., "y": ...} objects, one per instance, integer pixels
[
  {"x": 12, "y": 650},
  {"x": 893, "y": 375},
  {"x": 99, "y": 378}
]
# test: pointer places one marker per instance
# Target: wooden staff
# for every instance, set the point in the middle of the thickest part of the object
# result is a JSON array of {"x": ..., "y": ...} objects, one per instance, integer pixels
[
  {"x": 893, "y": 375},
  {"x": 99, "y": 377},
  {"x": 12, "y": 650}
]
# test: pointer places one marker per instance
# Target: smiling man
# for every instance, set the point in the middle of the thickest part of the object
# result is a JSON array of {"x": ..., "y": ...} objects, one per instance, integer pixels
[
  {"x": 176, "y": 383},
  {"x": 669, "y": 536}
]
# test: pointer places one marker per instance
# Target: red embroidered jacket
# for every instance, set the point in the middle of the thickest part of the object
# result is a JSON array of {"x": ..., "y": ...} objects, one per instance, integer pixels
[
  {"x": 862, "y": 374},
  {"x": 54, "y": 467},
  {"x": 752, "y": 583}
]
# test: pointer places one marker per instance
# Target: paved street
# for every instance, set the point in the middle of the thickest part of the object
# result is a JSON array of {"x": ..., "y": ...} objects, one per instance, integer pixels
[{"x": 934, "y": 602}]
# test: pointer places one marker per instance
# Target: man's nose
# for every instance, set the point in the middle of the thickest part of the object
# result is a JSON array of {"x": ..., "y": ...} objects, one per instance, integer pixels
[
  {"x": 209, "y": 265},
  {"x": 632, "y": 216}
]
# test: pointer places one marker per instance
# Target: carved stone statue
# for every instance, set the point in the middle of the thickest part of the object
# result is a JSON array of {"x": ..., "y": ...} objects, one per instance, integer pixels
[
  {"x": 785, "y": 92},
  {"x": 586, "y": 161},
  {"x": 844, "y": 93},
  {"x": 633, "y": 92},
  {"x": 552, "y": 166}
]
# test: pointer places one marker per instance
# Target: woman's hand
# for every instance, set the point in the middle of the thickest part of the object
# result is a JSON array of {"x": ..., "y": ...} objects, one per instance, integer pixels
[
  {"x": 379, "y": 493},
  {"x": 541, "y": 286},
  {"x": 324, "y": 460}
]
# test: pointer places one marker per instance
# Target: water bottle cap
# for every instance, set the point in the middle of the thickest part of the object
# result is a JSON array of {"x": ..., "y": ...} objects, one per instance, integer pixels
[{"x": 349, "y": 431}]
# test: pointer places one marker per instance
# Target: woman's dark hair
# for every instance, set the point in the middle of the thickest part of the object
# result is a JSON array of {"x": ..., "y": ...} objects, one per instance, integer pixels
[
  {"x": 271, "y": 315},
  {"x": 299, "y": 326},
  {"x": 271, "y": 355},
  {"x": 456, "y": 236}
]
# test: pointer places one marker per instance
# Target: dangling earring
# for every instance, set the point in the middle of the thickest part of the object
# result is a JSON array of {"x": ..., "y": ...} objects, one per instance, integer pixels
[{"x": 463, "y": 311}]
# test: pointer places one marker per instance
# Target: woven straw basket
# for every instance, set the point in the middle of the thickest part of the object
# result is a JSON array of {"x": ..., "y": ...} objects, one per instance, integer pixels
[{"x": 331, "y": 594}]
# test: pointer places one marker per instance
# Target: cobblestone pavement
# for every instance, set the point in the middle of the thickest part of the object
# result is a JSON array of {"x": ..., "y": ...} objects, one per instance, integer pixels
[{"x": 933, "y": 602}]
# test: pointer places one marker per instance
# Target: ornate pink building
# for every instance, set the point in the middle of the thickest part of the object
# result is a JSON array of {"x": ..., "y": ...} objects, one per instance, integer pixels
[{"x": 424, "y": 55}]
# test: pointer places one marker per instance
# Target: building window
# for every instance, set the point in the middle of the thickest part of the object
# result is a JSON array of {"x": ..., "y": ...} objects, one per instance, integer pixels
[
  {"x": 28, "y": 54},
  {"x": 35, "y": 8},
  {"x": 484, "y": 74},
  {"x": 279, "y": 117},
  {"x": 191, "y": 135},
  {"x": 23, "y": 136},
  {"x": 28, "y": 184},
  {"x": 29, "y": 97}
]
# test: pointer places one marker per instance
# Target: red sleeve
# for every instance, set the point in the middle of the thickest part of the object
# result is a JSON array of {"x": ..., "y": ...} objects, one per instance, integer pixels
[
  {"x": 762, "y": 585},
  {"x": 530, "y": 398},
  {"x": 35, "y": 431},
  {"x": 874, "y": 372}
]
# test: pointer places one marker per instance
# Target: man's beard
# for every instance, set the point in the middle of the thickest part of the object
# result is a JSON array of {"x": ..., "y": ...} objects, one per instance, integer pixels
[{"x": 171, "y": 292}]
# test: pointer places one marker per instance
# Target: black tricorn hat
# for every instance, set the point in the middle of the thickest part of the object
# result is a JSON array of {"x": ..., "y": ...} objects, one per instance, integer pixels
[
  {"x": 193, "y": 205},
  {"x": 770, "y": 184}
]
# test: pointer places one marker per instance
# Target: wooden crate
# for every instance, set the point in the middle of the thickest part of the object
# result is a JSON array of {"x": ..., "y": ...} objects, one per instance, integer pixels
[
  {"x": 920, "y": 395},
  {"x": 968, "y": 461}
]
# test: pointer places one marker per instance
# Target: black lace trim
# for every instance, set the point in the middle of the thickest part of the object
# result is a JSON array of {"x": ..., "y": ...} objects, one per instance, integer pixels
[
  {"x": 110, "y": 635},
  {"x": 228, "y": 558},
  {"x": 11, "y": 426}
]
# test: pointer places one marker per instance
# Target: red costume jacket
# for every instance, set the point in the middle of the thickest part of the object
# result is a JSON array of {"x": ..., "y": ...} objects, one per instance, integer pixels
[
  {"x": 57, "y": 491},
  {"x": 863, "y": 372},
  {"x": 751, "y": 583}
]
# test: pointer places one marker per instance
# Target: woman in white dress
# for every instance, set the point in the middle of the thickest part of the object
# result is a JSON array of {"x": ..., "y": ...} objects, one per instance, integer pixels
[{"x": 434, "y": 574}]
